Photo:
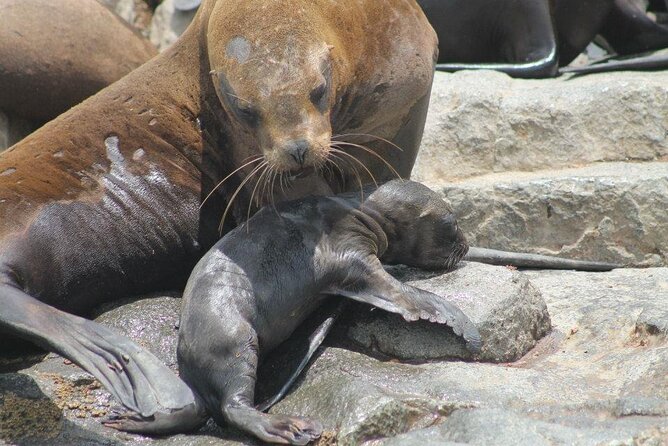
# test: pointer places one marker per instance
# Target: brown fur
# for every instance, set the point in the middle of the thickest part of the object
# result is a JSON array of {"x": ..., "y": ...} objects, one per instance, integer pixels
[{"x": 57, "y": 53}]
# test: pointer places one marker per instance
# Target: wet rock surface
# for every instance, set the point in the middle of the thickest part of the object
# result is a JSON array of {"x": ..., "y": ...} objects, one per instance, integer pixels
[
  {"x": 595, "y": 379},
  {"x": 78, "y": 403},
  {"x": 598, "y": 377}
]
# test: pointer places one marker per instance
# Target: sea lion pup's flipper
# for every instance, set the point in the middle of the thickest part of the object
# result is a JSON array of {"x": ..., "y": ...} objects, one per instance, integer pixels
[
  {"x": 134, "y": 376},
  {"x": 314, "y": 341},
  {"x": 640, "y": 63},
  {"x": 526, "y": 260},
  {"x": 371, "y": 284}
]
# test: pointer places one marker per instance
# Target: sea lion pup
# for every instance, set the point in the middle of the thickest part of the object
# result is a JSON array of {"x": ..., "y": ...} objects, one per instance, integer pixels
[
  {"x": 105, "y": 201},
  {"x": 260, "y": 281},
  {"x": 55, "y": 54}
]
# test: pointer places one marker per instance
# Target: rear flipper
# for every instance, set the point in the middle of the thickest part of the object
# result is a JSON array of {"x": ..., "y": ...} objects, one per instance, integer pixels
[
  {"x": 542, "y": 68},
  {"x": 526, "y": 260},
  {"x": 640, "y": 63},
  {"x": 223, "y": 370},
  {"x": 134, "y": 376},
  {"x": 374, "y": 286}
]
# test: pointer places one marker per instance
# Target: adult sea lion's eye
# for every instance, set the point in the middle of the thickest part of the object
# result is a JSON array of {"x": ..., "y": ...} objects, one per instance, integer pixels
[
  {"x": 319, "y": 96},
  {"x": 249, "y": 115}
]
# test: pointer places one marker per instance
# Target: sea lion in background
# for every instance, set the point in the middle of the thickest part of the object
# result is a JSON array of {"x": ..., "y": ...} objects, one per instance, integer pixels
[
  {"x": 533, "y": 38},
  {"x": 104, "y": 201},
  {"x": 264, "y": 278},
  {"x": 55, "y": 54}
]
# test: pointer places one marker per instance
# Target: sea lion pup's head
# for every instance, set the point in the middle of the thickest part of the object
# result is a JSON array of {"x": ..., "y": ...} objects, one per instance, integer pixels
[
  {"x": 273, "y": 75},
  {"x": 421, "y": 228}
]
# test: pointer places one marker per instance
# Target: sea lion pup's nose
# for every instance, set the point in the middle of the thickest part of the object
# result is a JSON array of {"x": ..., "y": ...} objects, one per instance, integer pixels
[{"x": 298, "y": 149}]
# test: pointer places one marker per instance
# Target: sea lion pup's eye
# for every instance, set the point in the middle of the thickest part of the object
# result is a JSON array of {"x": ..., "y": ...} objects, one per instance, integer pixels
[{"x": 319, "y": 95}]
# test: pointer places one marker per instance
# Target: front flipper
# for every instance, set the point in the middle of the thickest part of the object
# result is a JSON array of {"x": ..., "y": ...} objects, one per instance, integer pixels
[
  {"x": 131, "y": 374},
  {"x": 378, "y": 288}
]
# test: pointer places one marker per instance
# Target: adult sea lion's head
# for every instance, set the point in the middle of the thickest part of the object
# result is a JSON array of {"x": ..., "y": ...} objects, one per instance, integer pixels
[{"x": 273, "y": 76}]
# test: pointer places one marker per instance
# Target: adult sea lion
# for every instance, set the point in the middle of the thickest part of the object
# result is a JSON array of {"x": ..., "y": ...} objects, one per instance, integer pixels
[
  {"x": 264, "y": 278},
  {"x": 54, "y": 54},
  {"x": 104, "y": 201},
  {"x": 530, "y": 38}
]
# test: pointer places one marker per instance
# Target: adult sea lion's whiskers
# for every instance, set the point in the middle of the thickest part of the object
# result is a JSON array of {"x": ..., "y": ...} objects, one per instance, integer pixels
[
  {"x": 343, "y": 175},
  {"x": 393, "y": 145},
  {"x": 355, "y": 171},
  {"x": 258, "y": 158},
  {"x": 335, "y": 148},
  {"x": 236, "y": 192},
  {"x": 272, "y": 198},
  {"x": 250, "y": 201},
  {"x": 371, "y": 152}
]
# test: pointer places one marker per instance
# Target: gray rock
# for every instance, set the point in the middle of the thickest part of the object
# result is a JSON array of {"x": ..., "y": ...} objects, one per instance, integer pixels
[
  {"x": 596, "y": 379},
  {"x": 481, "y": 122},
  {"x": 508, "y": 311},
  {"x": 168, "y": 24},
  {"x": 506, "y": 428},
  {"x": 152, "y": 322},
  {"x": 13, "y": 129},
  {"x": 613, "y": 212},
  {"x": 135, "y": 12},
  {"x": 600, "y": 377}
]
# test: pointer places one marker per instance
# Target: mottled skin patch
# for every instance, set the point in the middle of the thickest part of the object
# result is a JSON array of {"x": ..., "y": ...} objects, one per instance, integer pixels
[
  {"x": 238, "y": 49},
  {"x": 84, "y": 221}
]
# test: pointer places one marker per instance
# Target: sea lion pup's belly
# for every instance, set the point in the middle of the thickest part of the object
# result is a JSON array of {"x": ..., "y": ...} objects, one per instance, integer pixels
[
  {"x": 256, "y": 285},
  {"x": 55, "y": 54}
]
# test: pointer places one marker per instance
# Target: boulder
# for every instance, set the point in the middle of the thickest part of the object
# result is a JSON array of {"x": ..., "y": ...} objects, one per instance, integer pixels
[
  {"x": 484, "y": 121},
  {"x": 169, "y": 23},
  {"x": 612, "y": 212},
  {"x": 598, "y": 378},
  {"x": 508, "y": 311}
]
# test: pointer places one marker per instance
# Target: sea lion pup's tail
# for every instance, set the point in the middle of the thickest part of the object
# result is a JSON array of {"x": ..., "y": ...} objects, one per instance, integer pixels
[
  {"x": 639, "y": 63},
  {"x": 526, "y": 260}
]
